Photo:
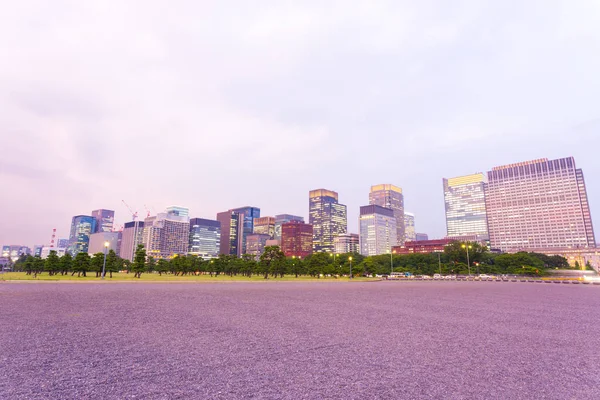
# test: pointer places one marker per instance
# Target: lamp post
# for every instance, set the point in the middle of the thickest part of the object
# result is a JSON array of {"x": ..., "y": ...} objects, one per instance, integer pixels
[
  {"x": 106, "y": 244},
  {"x": 350, "y": 259},
  {"x": 440, "y": 262},
  {"x": 391, "y": 263},
  {"x": 467, "y": 247}
]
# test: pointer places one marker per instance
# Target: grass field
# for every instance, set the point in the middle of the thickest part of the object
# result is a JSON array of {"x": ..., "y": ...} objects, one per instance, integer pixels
[{"x": 124, "y": 277}]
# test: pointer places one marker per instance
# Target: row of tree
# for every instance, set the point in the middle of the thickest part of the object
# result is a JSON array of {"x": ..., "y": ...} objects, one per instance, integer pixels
[{"x": 272, "y": 262}]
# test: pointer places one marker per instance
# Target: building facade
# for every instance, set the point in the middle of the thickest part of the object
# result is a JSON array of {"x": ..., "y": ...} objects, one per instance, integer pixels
[
  {"x": 421, "y": 236},
  {"x": 346, "y": 243},
  {"x": 540, "y": 204},
  {"x": 178, "y": 211},
  {"x": 231, "y": 232},
  {"x": 255, "y": 244},
  {"x": 464, "y": 199},
  {"x": 282, "y": 219},
  {"x": 248, "y": 215},
  {"x": 265, "y": 226},
  {"x": 166, "y": 235},
  {"x": 15, "y": 251},
  {"x": 297, "y": 239},
  {"x": 410, "y": 234},
  {"x": 390, "y": 196},
  {"x": 99, "y": 239},
  {"x": 327, "y": 217},
  {"x": 205, "y": 238},
  {"x": 105, "y": 220},
  {"x": 378, "y": 230},
  {"x": 423, "y": 246},
  {"x": 82, "y": 226},
  {"x": 131, "y": 236}
]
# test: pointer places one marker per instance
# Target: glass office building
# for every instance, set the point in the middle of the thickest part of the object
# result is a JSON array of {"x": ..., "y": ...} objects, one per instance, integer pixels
[
  {"x": 410, "y": 234},
  {"x": 282, "y": 219},
  {"x": 378, "y": 230},
  {"x": 104, "y": 220},
  {"x": 464, "y": 198},
  {"x": 82, "y": 226},
  {"x": 328, "y": 218},
  {"x": 205, "y": 237},
  {"x": 248, "y": 215},
  {"x": 231, "y": 232},
  {"x": 390, "y": 196}
]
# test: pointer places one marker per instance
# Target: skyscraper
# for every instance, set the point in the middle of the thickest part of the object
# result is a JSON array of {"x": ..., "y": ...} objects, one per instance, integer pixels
[
  {"x": 166, "y": 235},
  {"x": 296, "y": 239},
  {"x": 178, "y": 211},
  {"x": 205, "y": 237},
  {"x": 390, "y": 196},
  {"x": 265, "y": 226},
  {"x": 104, "y": 220},
  {"x": 409, "y": 227},
  {"x": 99, "y": 239},
  {"x": 346, "y": 243},
  {"x": 378, "y": 230},
  {"x": 328, "y": 218},
  {"x": 464, "y": 197},
  {"x": 256, "y": 243},
  {"x": 282, "y": 219},
  {"x": 231, "y": 232},
  {"x": 132, "y": 235},
  {"x": 537, "y": 205},
  {"x": 248, "y": 215},
  {"x": 82, "y": 226}
]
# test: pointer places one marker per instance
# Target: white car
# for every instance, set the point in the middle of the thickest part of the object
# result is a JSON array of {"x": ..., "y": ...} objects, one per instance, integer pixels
[{"x": 484, "y": 276}]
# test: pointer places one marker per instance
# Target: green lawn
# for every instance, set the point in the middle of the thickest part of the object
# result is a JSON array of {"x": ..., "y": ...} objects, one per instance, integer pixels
[{"x": 123, "y": 277}]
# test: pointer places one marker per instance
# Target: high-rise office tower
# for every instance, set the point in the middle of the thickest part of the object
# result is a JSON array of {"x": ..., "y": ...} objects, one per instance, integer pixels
[
  {"x": 282, "y": 219},
  {"x": 178, "y": 211},
  {"x": 265, "y": 226},
  {"x": 99, "y": 240},
  {"x": 378, "y": 230},
  {"x": 82, "y": 226},
  {"x": 166, "y": 235},
  {"x": 62, "y": 243},
  {"x": 15, "y": 251},
  {"x": 248, "y": 215},
  {"x": 466, "y": 214},
  {"x": 409, "y": 227},
  {"x": 132, "y": 235},
  {"x": 328, "y": 218},
  {"x": 232, "y": 223},
  {"x": 104, "y": 220},
  {"x": 296, "y": 239},
  {"x": 421, "y": 236},
  {"x": 536, "y": 205},
  {"x": 390, "y": 196},
  {"x": 205, "y": 238},
  {"x": 346, "y": 243},
  {"x": 256, "y": 243}
]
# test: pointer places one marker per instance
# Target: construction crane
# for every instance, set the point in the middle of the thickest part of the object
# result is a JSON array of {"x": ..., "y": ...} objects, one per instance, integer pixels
[
  {"x": 147, "y": 211},
  {"x": 134, "y": 214},
  {"x": 53, "y": 237}
]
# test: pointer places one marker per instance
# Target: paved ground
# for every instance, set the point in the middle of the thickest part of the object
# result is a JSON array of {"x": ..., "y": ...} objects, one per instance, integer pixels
[{"x": 445, "y": 340}]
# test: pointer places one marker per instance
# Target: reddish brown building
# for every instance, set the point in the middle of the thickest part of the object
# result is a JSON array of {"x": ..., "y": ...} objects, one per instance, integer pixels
[
  {"x": 296, "y": 239},
  {"x": 422, "y": 246}
]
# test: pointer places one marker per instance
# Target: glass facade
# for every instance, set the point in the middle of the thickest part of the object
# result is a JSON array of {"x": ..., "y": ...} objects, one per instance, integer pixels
[
  {"x": 464, "y": 197},
  {"x": 410, "y": 234},
  {"x": 390, "y": 196},
  {"x": 15, "y": 251},
  {"x": 378, "y": 230},
  {"x": 178, "y": 211},
  {"x": 166, "y": 235},
  {"x": 131, "y": 236},
  {"x": 265, "y": 226},
  {"x": 328, "y": 218},
  {"x": 255, "y": 244},
  {"x": 537, "y": 205},
  {"x": 347, "y": 243},
  {"x": 82, "y": 226},
  {"x": 231, "y": 232},
  {"x": 248, "y": 216},
  {"x": 104, "y": 220},
  {"x": 296, "y": 239},
  {"x": 205, "y": 238},
  {"x": 282, "y": 219}
]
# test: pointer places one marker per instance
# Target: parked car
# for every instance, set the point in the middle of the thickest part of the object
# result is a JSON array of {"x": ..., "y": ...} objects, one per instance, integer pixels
[{"x": 437, "y": 276}]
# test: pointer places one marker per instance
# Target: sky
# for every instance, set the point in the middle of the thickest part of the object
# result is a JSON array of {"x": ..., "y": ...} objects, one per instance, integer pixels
[{"x": 220, "y": 104}]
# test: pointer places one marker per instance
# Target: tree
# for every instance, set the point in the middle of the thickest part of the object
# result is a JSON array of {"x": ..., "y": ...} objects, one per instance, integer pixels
[
  {"x": 81, "y": 264},
  {"x": 52, "y": 263},
  {"x": 272, "y": 259},
  {"x": 66, "y": 263},
  {"x": 150, "y": 264},
  {"x": 113, "y": 262},
  {"x": 162, "y": 266},
  {"x": 139, "y": 261},
  {"x": 96, "y": 263}
]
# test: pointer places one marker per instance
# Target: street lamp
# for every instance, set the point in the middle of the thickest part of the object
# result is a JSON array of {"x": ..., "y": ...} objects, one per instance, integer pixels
[
  {"x": 106, "y": 244},
  {"x": 350, "y": 259},
  {"x": 467, "y": 247},
  {"x": 391, "y": 263}
]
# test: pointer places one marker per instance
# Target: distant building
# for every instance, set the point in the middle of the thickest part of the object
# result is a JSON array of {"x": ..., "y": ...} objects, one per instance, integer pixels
[
  {"x": 297, "y": 239},
  {"x": 205, "y": 238},
  {"x": 378, "y": 230},
  {"x": 62, "y": 243},
  {"x": 282, "y": 219},
  {"x": 410, "y": 234},
  {"x": 97, "y": 241},
  {"x": 104, "y": 220},
  {"x": 346, "y": 243},
  {"x": 536, "y": 205},
  {"x": 327, "y": 217},
  {"x": 248, "y": 215},
  {"x": 232, "y": 223},
  {"x": 265, "y": 226},
  {"x": 464, "y": 198},
  {"x": 423, "y": 246},
  {"x": 15, "y": 251},
  {"x": 390, "y": 196},
  {"x": 82, "y": 226},
  {"x": 131, "y": 237},
  {"x": 178, "y": 211},
  {"x": 166, "y": 234},
  {"x": 256, "y": 243},
  {"x": 37, "y": 250},
  {"x": 60, "y": 251},
  {"x": 422, "y": 236}
]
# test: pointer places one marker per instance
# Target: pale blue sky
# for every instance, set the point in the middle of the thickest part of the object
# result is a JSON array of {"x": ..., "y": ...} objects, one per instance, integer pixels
[{"x": 220, "y": 104}]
